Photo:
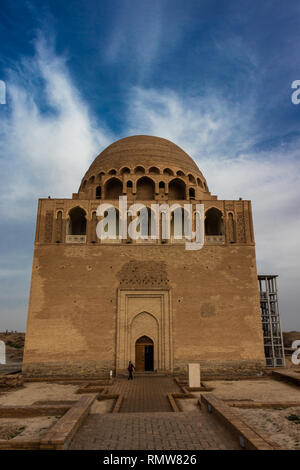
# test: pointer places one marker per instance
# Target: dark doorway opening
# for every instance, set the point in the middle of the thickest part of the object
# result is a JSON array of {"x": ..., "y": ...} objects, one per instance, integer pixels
[
  {"x": 149, "y": 357},
  {"x": 144, "y": 354}
]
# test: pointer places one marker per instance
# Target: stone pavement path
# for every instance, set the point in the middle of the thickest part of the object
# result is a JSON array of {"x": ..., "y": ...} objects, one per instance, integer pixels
[
  {"x": 152, "y": 431},
  {"x": 144, "y": 393},
  {"x": 146, "y": 422}
]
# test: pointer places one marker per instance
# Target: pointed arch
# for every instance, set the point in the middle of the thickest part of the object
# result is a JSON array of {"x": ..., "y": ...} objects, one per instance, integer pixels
[
  {"x": 145, "y": 188},
  {"x": 139, "y": 170},
  {"x": 177, "y": 189},
  {"x": 191, "y": 179},
  {"x": 98, "y": 192},
  {"x": 214, "y": 222},
  {"x": 125, "y": 170},
  {"x": 113, "y": 188},
  {"x": 77, "y": 221},
  {"x": 192, "y": 193},
  {"x": 199, "y": 183},
  {"x": 179, "y": 224},
  {"x": 154, "y": 171},
  {"x": 144, "y": 312}
]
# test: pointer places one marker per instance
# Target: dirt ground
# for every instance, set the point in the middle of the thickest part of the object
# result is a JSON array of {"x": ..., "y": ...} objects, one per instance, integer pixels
[
  {"x": 20, "y": 428},
  {"x": 265, "y": 390},
  {"x": 289, "y": 337},
  {"x": 43, "y": 391},
  {"x": 36, "y": 391},
  {"x": 29, "y": 428},
  {"x": 274, "y": 423}
]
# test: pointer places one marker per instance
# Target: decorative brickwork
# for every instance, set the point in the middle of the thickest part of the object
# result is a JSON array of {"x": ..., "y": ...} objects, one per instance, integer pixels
[
  {"x": 241, "y": 235},
  {"x": 143, "y": 274},
  {"x": 59, "y": 227},
  {"x": 48, "y": 226},
  {"x": 231, "y": 228}
]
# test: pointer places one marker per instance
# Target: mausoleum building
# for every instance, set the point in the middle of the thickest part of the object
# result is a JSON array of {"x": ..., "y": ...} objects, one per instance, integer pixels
[{"x": 96, "y": 304}]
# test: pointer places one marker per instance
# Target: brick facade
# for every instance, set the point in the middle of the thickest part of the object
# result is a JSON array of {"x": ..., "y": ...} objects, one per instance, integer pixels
[{"x": 89, "y": 300}]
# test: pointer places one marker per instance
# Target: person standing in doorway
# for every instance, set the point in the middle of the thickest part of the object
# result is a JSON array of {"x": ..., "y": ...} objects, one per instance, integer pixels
[{"x": 130, "y": 370}]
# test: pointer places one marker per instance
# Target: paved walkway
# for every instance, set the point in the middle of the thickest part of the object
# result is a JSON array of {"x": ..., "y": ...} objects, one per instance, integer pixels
[
  {"x": 146, "y": 422},
  {"x": 152, "y": 431},
  {"x": 144, "y": 393}
]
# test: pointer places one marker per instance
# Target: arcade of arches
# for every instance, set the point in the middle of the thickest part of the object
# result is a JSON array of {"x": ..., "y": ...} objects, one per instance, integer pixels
[{"x": 214, "y": 222}]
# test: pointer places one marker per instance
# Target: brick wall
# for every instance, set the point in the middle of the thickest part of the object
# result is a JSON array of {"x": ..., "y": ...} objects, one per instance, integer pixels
[{"x": 73, "y": 305}]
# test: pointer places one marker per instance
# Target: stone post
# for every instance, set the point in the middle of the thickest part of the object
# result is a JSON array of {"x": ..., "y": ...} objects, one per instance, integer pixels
[
  {"x": 2, "y": 353},
  {"x": 194, "y": 375}
]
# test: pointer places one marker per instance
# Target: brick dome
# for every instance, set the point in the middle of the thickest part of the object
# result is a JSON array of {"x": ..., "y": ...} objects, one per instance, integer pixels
[
  {"x": 143, "y": 154},
  {"x": 142, "y": 150}
]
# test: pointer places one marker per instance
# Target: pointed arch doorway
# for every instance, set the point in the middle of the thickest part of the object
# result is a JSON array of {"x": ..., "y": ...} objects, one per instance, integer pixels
[
  {"x": 144, "y": 354},
  {"x": 140, "y": 313}
]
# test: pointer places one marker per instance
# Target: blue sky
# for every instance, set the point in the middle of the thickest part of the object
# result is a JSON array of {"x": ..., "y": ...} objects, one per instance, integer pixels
[{"x": 213, "y": 76}]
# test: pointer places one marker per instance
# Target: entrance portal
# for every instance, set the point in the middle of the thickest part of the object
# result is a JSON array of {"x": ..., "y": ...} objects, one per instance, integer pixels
[{"x": 144, "y": 354}]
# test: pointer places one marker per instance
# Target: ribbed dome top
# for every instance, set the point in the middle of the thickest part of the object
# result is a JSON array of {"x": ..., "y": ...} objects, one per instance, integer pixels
[{"x": 143, "y": 150}]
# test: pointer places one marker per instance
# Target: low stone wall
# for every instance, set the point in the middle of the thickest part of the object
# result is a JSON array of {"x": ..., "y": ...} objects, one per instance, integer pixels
[
  {"x": 213, "y": 370},
  {"x": 82, "y": 370},
  {"x": 61, "y": 434},
  {"x": 30, "y": 411},
  {"x": 98, "y": 370},
  {"x": 11, "y": 380}
]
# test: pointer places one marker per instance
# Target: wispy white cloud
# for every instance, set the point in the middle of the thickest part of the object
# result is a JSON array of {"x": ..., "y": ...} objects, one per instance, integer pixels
[
  {"x": 220, "y": 136},
  {"x": 46, "y": 153},
  {"x": 205, "y": 124},
  {"x": 48, "y": 138},
  {"x": 42, "y": 152}
]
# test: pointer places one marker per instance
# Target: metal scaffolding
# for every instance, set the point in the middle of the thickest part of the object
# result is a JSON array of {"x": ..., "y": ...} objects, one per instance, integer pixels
[
  {"x": 270, "y": 316},
  {"x": 271, "y": 325}
]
